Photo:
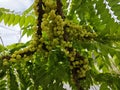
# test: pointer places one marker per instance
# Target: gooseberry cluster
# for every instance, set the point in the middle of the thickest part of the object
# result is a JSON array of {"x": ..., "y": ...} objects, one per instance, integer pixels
[{"x": 60, "y": 33}]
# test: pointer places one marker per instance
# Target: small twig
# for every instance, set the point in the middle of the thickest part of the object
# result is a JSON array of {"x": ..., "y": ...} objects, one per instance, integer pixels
[
  {"x": 2, "y": 44},
  {"x": 20, "y": 37},
  {"x": 2, "y": 41}
]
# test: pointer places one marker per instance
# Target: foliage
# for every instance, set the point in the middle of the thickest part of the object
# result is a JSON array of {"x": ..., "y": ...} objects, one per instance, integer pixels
[{"x": 73, "y": 41}]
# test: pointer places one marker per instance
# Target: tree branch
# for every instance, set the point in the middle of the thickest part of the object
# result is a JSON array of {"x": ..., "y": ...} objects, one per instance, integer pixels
[
  {"x": 40, "y": 15},
  {"x": 59, "y": 8}
]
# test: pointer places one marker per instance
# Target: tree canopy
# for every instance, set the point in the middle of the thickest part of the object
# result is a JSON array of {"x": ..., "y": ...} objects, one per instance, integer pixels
[{"x": 73, "y": 41}]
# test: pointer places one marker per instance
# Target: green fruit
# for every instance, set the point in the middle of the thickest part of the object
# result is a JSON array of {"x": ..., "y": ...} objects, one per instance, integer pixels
[
  {"x": 13, "y": 60},
  {"x": 18, "y": 57},
  {"x": 77, "y": 62},
  {"x": 5, "y": 62},
  {"x": 72, "y": 58}
]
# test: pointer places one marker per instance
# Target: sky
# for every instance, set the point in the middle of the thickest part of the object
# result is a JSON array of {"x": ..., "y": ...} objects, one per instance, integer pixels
[
  {"x": 11, "y": 34},
  {"x": 16, "y": 5}
]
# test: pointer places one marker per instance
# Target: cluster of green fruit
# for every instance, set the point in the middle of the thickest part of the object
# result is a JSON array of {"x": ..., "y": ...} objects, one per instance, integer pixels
[
  {"x": 60, "y": 33},
  {"x": 20, "y": 54},
  {"x": 78, "y": 65}
]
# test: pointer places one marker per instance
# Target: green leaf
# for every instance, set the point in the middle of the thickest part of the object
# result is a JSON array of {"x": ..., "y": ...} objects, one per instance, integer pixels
[
  {"x": 104, "y": 87},
  {"x": 2, "y": 48},
  {"x": 28, "y": 20},
  {"x": 17, "y": 19},
  {"x": 2, "y": 17},
  {"x": 0, "y": 14},
  {"x": 22, "y": 21},
  {"x": 6, "y": 18},
  {"x": 11, "y": 20},
  {"x": 4, "y": 10},
  {"x": 113, "y": 2},
  {"x": 13, "y": 82},
  {"x": 16, "y": 46}
]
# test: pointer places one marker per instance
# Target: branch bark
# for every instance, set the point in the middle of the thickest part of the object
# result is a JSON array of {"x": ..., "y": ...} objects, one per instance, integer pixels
[
  {"x": 40, "y": 15},
  {"x": 59, "y": 8}
]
